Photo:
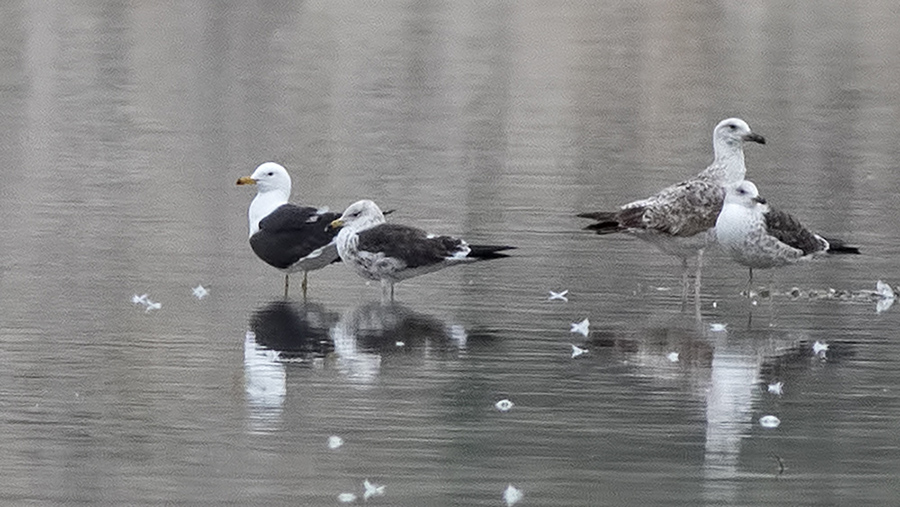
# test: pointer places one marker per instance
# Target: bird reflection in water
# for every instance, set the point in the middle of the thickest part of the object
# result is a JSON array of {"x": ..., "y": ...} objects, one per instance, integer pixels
[
  {"x": 367, "y": 334},
  {"x": 280, "y": 332}
]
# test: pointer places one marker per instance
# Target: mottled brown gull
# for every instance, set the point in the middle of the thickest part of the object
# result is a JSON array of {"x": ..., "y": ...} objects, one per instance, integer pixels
[
  {"x": 679, "y": 220},
  {"x": 757, "y": 236}
]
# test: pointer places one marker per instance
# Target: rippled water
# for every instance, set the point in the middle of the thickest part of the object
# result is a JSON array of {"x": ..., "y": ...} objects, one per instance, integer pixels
[{"x": 125, "y": 125}]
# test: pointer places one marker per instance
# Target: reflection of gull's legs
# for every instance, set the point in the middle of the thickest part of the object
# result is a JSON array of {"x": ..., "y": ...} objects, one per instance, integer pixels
[
  {"x": 684, "y": 280},
  {"x": 387, "y": 291},
  {"x": 697, "y": 277},
  {"x": 286, "y": 284}
]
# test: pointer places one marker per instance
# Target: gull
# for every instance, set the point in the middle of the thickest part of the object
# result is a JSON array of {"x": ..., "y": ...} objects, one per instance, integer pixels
[
  {"x": 288, "y": 237},
  {"x": 511, "y": 495},
  {"x": 559, "y": 295},
  {"x": 757, "y": 236},
  {"x": 504, "y": 405},
  {"x": 717, "y": 327},
  {"x": 577, "y": 351},
  {"x": 672, "y": 356},
  {"x": 139, "y": 300},
  {"x": 200, "y": 292},
  {"x": 391, "y": 253},
  {"x": 581, "y": 327},
  {"x": 372, "y": 490},
  {"x": 776, "y": 388},
  {"x": 152, "y": 306},
  {"x": 679, "y": 220}
]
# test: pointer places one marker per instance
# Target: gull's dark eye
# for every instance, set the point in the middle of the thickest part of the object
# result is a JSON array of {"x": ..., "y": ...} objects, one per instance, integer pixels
[
  {"x": 271, "y": 174},
  {"x": 741, "y": 191},
  {"x": 732, "y": 126}
]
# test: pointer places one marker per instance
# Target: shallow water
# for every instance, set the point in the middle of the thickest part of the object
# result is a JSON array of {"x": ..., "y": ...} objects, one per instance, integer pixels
[{"x": 123, "y": 127}]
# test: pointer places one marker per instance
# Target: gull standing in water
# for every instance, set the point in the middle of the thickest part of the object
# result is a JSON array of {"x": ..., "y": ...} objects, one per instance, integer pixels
[
  {"x": 391, "y": 253},
  {"x": 679, "y": 220},
  {"x": 288, "y": 237},
  {"x": 757, "y": 236}
]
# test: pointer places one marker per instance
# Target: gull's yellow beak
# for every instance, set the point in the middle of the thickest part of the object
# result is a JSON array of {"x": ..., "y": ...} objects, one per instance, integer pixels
[
  {"x": 246, "y": 180},
  {"x": 336, "y": 224}
]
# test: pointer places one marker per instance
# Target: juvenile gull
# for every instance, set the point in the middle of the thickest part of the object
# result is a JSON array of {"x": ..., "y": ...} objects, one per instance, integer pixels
[
  {"x": 679, "y": 220},
  {"x": 391, "y": 252},
  {"x": 289, "y": 237},
  {"x": 757, "y": 236}
]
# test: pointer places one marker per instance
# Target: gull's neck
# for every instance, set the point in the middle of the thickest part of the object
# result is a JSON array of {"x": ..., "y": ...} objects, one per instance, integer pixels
[
  {"x": 728, "y": 166},
  {"x": 264, "y": 203}
]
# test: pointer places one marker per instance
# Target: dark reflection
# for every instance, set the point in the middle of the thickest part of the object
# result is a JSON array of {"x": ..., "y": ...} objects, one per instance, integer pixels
[
  {"x": 389, "y": 328},
  {"x": 280, "y": 331},
  {"x": 297, "y": 331},
  {"x": 369, "y": 334}
]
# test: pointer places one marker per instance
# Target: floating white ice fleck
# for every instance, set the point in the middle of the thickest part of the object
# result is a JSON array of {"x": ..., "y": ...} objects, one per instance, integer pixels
[
  {"x": 200, "y": 292},
  {"x": 512, "y": 495},
  {"x": 776, "y": 388},
  {"x": 769, "y": 421},
  {"x": 139, "y": 300},
  {"x": 372, "y": 490},
  {"x": 581, "y": 327},
  {"x": 577, "y": 351},
  {"x": 347, "y": 497},
  {"x": 819, "y": 348},
  {"x": 399, "y": 344},
  {"x": 152, "y": 306},
  {"x": 504, "y": 405},
  {"x": 717, "y": 327},
  {"x": 672, "y": 356},
  {"x": 558, "y": 295},
  {"x": 887, "y": 296},
  {"x": 335, "y": 441}
]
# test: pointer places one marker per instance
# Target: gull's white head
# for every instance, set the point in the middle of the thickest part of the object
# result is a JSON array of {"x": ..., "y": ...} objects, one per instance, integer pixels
[
  {"x": 269, "y": 177},
  {"x": 743, "y": 193},
  {"x": 359, "y": 216},
  {"x": 273, "y": 189},
  {"x": 733, "y": 132}
]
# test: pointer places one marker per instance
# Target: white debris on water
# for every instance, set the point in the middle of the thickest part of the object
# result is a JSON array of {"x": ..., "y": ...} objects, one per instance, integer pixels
[
  {"x": 581, "y": 327},
  {"x": 511, "y": 495},
  {"x": 335, "y": 441},
  {"x": 200, "y": 291},
  {"x": 504, "y": 405},
  {"x": 672, "y": 356},
  {"x": 347, "y": 497},
  {"x": 776, "y": 388},
  {"x": 769, "y": 421},
  {"x": 144, "y": 299},
  {"x": 716, "y": 327},
  {"x": 561, "y": 296},
  {"x": 577, "y": 351},
  {"x": 820, "y": 348},
  {"x": 372, "y": 490},
  {"x": 886, "y": 297}
]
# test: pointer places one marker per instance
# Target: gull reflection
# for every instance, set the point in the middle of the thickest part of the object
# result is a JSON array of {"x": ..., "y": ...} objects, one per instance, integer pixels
[
  {"x": 366, "y": 335},
  {"x": 280, "y": 332}
]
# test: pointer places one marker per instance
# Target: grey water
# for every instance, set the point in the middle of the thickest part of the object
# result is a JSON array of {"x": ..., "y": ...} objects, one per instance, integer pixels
[{"x": 124, "y": 125}]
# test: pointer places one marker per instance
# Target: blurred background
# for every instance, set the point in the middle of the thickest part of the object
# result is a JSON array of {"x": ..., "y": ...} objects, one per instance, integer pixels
[{"x": 124, "y": 125}]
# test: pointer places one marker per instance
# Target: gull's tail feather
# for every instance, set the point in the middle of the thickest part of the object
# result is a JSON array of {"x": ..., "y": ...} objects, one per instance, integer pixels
[
  {"x": 839, "y": 247},
  {"x": 486, "y": 252},
  {"x": 608, "y": 222}
]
